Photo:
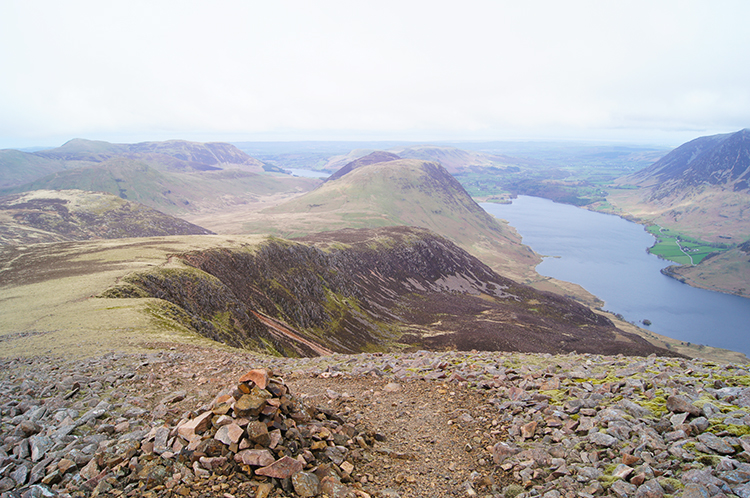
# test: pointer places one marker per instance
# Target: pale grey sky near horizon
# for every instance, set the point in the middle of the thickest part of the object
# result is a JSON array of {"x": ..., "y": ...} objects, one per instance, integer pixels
[{"x": 661, "y": 72}]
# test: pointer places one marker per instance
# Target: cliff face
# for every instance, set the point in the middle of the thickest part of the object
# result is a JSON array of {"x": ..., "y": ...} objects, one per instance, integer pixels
[{"x": 365, "y": 290}]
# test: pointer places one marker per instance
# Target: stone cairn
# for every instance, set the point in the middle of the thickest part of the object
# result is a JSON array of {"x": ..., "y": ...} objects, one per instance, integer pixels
[{"x": 256, "y": 435}]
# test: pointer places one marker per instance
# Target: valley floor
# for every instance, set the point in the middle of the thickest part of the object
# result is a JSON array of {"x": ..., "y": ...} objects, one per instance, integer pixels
[{"x": 433, "y": 424}]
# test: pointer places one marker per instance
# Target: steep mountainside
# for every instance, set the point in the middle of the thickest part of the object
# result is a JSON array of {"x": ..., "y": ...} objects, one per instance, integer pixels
[
  {"x": 719, "y": 160},
  {"x": 403, "y": 192},
  {"x": 53, "y": 216},
  {"x": 361, "y": 290},
  {"x": 699, "y": 190}
]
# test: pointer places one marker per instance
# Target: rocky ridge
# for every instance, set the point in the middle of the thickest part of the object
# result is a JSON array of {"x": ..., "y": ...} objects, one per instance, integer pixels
[{"x": 418, "y": 424}]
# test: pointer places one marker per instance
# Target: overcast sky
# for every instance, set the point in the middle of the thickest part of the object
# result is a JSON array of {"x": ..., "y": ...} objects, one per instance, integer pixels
[{"x": 659, "y": 72}]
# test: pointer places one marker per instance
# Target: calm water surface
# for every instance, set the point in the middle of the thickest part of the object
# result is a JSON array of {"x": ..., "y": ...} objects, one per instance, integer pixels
[
  {"x": 607, "y": 256},
  {"x": 308, "y": 173}
]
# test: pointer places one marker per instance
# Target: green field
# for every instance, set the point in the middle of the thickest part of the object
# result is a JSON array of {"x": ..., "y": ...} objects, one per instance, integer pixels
[{"x": 679, "y": 248}]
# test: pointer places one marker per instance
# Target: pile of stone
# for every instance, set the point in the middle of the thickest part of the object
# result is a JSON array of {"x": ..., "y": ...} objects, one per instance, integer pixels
[{"x": 252, "y": 439}]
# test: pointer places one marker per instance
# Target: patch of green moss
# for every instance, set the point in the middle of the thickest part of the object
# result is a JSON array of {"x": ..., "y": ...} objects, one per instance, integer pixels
[
  {"x": 608, "y": 480},
  {"x": 734, "y": 430},
  {"x": 657, "y": 405},
  {"x": 556, "y": 396},
  {"x": 734, "y": 380},
  {"x": 670, "y": 484},
  {"x": 512, "y": 490}
]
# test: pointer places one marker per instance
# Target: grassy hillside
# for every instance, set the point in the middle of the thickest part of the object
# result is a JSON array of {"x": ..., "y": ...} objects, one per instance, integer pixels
[
  {"x": 404, "y": 192},
  {"x": 175, "y": 193},
  {"x": 55, "y": 311},
  {"x": 18, "y": 167}
]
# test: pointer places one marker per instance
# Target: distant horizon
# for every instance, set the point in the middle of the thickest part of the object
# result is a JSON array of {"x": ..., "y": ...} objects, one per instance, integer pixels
[{"x": 126, "y": 138}]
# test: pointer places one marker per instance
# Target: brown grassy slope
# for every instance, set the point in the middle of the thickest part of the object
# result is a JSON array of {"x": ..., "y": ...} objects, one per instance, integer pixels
[
  {"x": 48, "y": 303},
  {"x": 710, "y": 213}
]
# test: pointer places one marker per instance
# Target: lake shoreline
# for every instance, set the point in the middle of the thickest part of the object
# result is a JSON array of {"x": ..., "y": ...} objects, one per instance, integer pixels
[{"x": 608, "y": 257}]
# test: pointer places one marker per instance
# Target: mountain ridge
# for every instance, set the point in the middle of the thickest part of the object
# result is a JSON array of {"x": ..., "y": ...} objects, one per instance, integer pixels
[{"x": 371, "y": 289}]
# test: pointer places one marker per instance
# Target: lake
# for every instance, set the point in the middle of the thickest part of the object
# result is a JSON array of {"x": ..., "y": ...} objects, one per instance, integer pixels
[
  {"x": 608, "y": 256},
  {"x": 308, "y": 173}
]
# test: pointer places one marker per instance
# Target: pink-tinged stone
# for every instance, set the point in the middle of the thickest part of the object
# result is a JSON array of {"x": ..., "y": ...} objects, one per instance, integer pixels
[
  {"x": 229, "y": 434},
  {"x": 256, "y": 458},
  {"x": 274, "y": 438},
  {"x": 212, "y": 463},
  {"x": 528, "y": 430},
  {"x": 282, "y": 468},
  {"x": 259, "y": 376},
  {"x": 223, "y": 420},
  {"x": 91, "y": 470},
  {"x": 223, "y": 398},
  {"x": 194, "y": 443},
  {"x": 195, "y": 426}
]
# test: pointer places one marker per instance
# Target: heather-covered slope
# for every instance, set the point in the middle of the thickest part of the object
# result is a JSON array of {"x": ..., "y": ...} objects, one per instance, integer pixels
[
  {"x": 360, "y": 290},
  {"x": 66, "y": 215}
]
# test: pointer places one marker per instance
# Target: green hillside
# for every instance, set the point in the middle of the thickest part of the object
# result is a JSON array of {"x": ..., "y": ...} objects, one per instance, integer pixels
[
  {"x": 18, "y": 167},
  {"x": 403, "y": 192},
  {"x": 174, "y": 193}
]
